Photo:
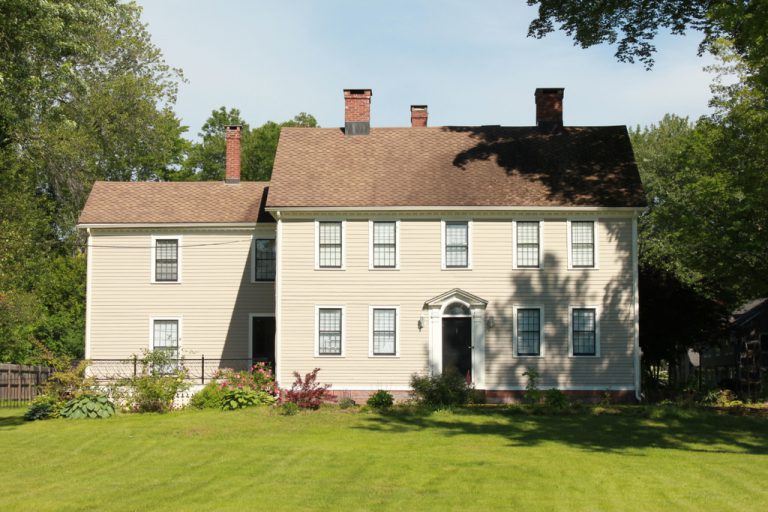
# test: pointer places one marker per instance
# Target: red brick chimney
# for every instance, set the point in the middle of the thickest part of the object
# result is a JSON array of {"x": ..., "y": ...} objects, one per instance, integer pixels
[
  {"x": 357, "y": 111},
  {"x": 549, "y": 108},
  {"x": 418, "y": 116},
  {"x": 232, "y": 135}
]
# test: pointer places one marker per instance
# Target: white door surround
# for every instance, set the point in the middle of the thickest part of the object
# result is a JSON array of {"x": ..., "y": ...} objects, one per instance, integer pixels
[{"x": 436, "y": 308}]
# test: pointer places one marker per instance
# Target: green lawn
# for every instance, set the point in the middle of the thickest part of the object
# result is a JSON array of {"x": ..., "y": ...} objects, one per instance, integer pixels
[{"x": 487, "y": 459}]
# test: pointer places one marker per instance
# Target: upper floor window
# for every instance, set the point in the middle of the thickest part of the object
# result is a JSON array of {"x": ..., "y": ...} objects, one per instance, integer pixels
[
  {"x": 527, "y": 244},
  {"x": 329, "y": 238},
  {"x": 384, "y": 244},
  {"x": 582, "y": 250},
  {"x": 456, "y": 248},
  {"x": 584, "y": 338},
  {"x": 329, "y": 331},
  {"x": 166, "y": 260},
  {"x": 528, "y": 331},
  {"x": 264, "y": 259}
]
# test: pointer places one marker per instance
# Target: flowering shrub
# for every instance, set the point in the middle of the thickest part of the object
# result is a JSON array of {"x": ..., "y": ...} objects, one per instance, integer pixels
[
  {"x": 154, "y": 388},
  {"x": 260, "y": 378},
  {"x": 237, "y": 389},
  {"x": 306, "y": 392}
]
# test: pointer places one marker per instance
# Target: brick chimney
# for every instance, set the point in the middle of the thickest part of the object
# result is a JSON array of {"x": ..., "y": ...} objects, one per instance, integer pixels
[
  {"x": 549, "y": 108},
  {"x": 232, "y": 135},
  {"x": 357, "y": 111},
  {"x": 418, "y": 116}
]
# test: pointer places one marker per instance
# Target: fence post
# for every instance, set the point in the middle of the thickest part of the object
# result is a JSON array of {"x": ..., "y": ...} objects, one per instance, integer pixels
[
  {"x": 18, "y": 389},
  {"x": 134, "y": 366},
  {"x": 202, "y": 367}
]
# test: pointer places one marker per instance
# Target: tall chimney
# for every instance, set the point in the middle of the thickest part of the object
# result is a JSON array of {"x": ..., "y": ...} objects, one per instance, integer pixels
[
  {"x": 418, "y": 116},
  {"x": 232, "y": 135},
  {"x": 357, "y": 111},
  {"x": 549, "y": 108}
]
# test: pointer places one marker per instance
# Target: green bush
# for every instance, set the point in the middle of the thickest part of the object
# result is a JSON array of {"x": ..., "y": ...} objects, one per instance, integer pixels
[
  {"x": 88, "y": 406},
  {"x": 347, "y": 403},
  {"x": 380, "y": 400},
  {"x": 555, "y": 399},
  {"x": 289, "y": 409},
  {"x": 445, "y": 390},
  {"x": 154, "y": 389},
  {"x": 42, "y": 408},
  {"x": 532, "y": 392},
  {"x": 210, "y": 397},
  {"x": 242, "y": 398}
]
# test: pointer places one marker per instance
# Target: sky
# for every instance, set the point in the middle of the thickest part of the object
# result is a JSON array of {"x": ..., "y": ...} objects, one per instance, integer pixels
[{"x": 469, "y": 61}]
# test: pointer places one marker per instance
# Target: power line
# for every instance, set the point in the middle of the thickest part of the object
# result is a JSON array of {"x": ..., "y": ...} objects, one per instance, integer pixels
[{"x": 152, "y": 246}]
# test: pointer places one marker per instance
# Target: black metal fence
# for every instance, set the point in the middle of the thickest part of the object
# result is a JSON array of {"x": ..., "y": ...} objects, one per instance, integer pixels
[{"x": 199, "y": 371}]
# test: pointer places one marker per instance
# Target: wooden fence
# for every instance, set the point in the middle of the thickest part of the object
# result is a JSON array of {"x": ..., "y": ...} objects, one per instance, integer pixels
[{"x": 20, "y": 383}]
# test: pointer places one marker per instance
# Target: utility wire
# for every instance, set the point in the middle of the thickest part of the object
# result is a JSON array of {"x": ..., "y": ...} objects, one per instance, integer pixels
[{"x": 152, "y": 246}]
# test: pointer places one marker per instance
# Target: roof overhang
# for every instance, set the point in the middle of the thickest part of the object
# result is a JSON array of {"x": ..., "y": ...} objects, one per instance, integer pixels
[
  {"x": 237, "y": 225},
  {"x": 625, "y": 209}
]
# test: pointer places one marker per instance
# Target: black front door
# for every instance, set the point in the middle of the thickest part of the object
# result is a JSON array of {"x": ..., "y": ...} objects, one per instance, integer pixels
[
  {"x": 263, "y": 339},
  {"x": 457, "y": 345}
]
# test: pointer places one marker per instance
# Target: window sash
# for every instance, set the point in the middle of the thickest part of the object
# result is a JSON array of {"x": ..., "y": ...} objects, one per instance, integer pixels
[
  {"x": 582, "y": 244},
  {"x": 527, "y": 239},
  {"x": 165, "y": 338},
  {"x": 167, "y": 260},
  {"x": 329, "y": 244},
  {"x": 384, "y": 332},
  {"x": 456, "y": 244},
  {"x": 385, "y": 244},
  {"x": 329, "y": 331},
  {"x": 584, "y": 331},
  {"x": 529, "y": 332},
  {"x": 265, "y": 259}
]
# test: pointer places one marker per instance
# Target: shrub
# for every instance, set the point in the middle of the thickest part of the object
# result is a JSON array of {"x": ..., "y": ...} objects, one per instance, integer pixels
[
  {"x": 532, "y": 393},
  {"x": 88, "y": 406},
  {"x": 67, "y": 381},
  {"x": 289, "y": 409},
  {"x": 154, "y": 389},
  {"x": 721, "y": 398},
  {"x": 42, "y": 408},
  {"x": 242, "y": 398},
  {"x": 381, "y": 400},
  {"x": 260, "y": 378},
  {"x": 210, "y": 397},
  {"x": 306, "y": 392},
  {"x": 555, "y": 399},
  {"x": 445, "y": 390},
  {"x": 347, "y": 403}
]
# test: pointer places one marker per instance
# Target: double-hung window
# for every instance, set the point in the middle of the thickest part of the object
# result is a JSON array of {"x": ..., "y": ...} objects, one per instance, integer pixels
[
  {"x": 165, "y": 340},
  {"x": 584, "y": 331},
  {"x": 329, "y": 239},
  {"x": 329, "y": 331},
  {"x": 384, "y": 244},
  {"x": 527, "y": 244},
  {"x": 264, "y": 260},
  {"x": 456, "y": 250},
  {"x": 582, "y": 244},
  {"x": 384, "y": 331},
  {"x": 166, "y": 260},
  {"x": 528, "y": 332}
]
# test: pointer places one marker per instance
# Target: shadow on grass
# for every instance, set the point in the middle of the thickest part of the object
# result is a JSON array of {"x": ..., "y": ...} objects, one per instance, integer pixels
[
  {"x": 613, "y": 430},
  {"x": 11, "y": 422}
]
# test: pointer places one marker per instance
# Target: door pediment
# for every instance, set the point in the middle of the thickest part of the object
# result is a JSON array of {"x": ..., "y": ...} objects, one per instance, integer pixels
[{"x": 457, "y": 294}]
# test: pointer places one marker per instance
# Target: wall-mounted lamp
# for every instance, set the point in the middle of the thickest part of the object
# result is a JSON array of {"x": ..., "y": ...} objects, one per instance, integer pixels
[
  {"x": 490, "y": 322},
  {"x": 420, "y": 323}
]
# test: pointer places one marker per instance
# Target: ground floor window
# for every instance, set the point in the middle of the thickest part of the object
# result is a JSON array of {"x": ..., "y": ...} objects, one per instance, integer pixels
[
  {"x": 165, "y": 339},
  {"x": 528, "y": 332},
  {"x": 384, "y": 335},
  {"x": 329, "y": 331},
  {"x": 584, "y": 331}
]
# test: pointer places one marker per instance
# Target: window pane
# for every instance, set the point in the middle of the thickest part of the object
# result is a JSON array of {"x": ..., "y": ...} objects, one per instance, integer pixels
[
  {"x": 166, "y": 260},
  {"x": 384, "y": 244},
  {"x": 582, "y": 243},
  {"x": 527, "y": 244},
  {"x": 528, "y": 331},
  {"x": 456, "y": 309},
  {"x": 384, "y": 321},
  {"x": 265, "y": 260},
  {"x": 330, "y": 244},
  {"x": 456, "y": 233},
  {"x": 456, "y": 248},
  {"x": 384, "y": 232},
  {"x": 584, "y": 332},
  {"x": 330, "y": 331}
]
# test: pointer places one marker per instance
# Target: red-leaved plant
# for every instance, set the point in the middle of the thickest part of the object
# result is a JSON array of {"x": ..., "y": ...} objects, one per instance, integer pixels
[{"x": 306, "y": 392}]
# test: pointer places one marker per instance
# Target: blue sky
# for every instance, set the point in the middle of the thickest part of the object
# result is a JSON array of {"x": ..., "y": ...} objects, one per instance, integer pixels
[{"x": 470, "y": 61}]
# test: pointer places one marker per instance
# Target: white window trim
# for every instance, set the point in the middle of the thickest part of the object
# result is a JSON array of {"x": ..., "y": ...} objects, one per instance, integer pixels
[
  {"x": 514, "y": 243},
  {"x": 397, "y": 332},
  {"x": 343, "y": 245},
  {"x": 318, "y": 307},
  {"x": 152, "y": 320},
  {"x": 251, "y": 316},
  {"x": 255, "y": 237},
  {"x": 153, "y": 253},
  {"x": 469, "y": 245},
  {"x": 515, "y": 308},
  {"x": 598, "y": 316},
  {"x": 370, "y": 245},
  {"x": 596, "y": 240}
]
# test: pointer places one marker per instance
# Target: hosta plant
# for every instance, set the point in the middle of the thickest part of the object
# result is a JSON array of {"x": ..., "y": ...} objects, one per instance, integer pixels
[
  {"x": 88, "y": 406},
  {"x": 241, "y": 398}
]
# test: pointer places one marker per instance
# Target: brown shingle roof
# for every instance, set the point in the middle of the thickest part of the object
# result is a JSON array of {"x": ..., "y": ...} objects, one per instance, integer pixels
[
  {"x": 112, "y": 202},
  {"x": 455, "y": 166}
]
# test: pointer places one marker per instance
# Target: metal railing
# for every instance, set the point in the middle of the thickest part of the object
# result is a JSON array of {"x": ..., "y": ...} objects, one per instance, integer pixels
[{"x": 199, "y": 370}]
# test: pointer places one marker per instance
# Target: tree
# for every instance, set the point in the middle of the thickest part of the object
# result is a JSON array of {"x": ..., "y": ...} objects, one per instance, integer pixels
[{"x": 206, "y": 159}]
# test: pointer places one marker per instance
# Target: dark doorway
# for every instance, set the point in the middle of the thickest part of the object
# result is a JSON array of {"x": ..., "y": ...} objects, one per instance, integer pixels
[
  {"x": 457, "y": 345},
  {"x": 263, "y": 339}
]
